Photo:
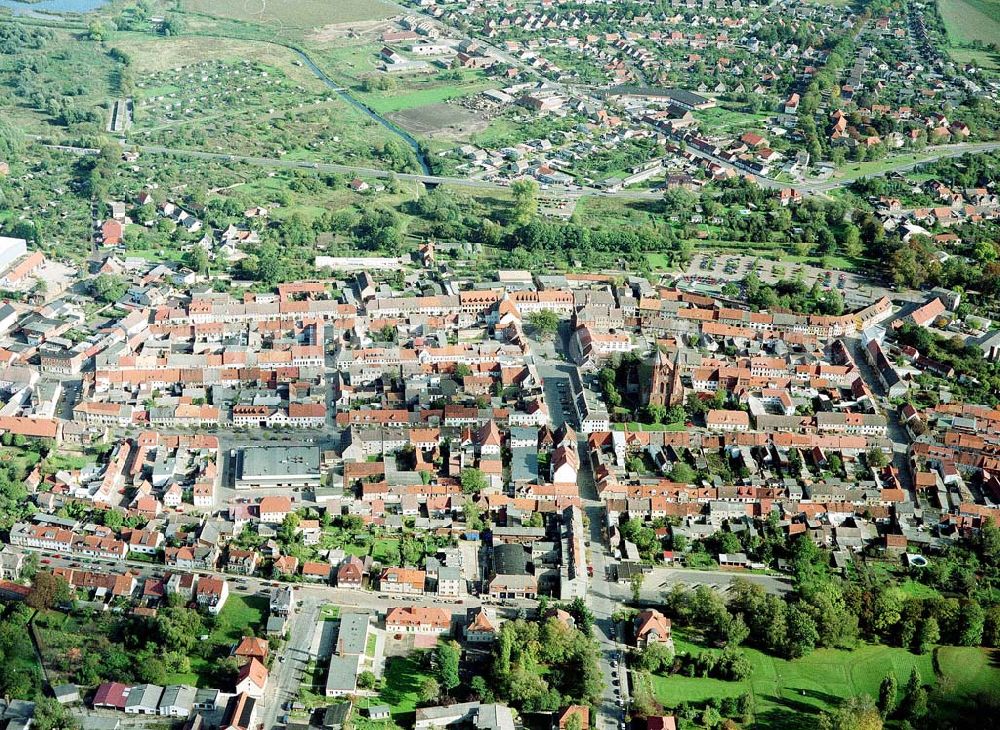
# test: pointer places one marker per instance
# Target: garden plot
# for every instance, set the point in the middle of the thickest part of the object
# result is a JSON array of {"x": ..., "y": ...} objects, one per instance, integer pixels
[{"x": 212, "y": 88}]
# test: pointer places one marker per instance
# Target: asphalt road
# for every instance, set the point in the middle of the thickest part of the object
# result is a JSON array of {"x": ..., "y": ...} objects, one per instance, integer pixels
[
  {"x": 286, "y": 671},
  {"x": 805, "y": 188}
]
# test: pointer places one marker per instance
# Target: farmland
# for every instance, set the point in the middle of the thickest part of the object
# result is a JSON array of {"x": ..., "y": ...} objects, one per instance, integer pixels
[
  {"x": 301, "y": 14},
  {"x": 971, "y": 20}
]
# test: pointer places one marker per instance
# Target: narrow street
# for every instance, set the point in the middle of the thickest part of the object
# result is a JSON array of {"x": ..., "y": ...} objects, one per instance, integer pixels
[{"x": 286, "y": 672}]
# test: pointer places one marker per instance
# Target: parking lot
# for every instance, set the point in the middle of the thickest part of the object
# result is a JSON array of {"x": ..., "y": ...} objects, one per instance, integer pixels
[{"x": 711, "y": 271}]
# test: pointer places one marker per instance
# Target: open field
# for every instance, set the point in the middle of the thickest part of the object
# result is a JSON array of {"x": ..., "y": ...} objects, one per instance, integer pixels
[
  {"x": 985, "y": 59},
  {"x": 439, "y": 119},
  {"x": 297, "y": 14},
  {"x": 971, "y": 20},
  {"x": 721, "y": 120},
  {"x": 239, "y": 613},
  {"x": 386, "y": 551},
  {"x": 420, "y": 91},
  {"x": 788, "y": 693},
  {"x": 153, "y": 54},
  {"x": 971, "y": 669}
]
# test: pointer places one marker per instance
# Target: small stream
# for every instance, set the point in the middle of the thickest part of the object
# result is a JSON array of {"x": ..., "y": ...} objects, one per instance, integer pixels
[{"x": 350, "y": 99}]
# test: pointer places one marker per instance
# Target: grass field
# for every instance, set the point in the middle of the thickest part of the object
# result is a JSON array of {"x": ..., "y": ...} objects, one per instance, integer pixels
[
  {"x": 985, "y": 59},
  {"x": 636, "y": 426},
  {"x": 659, "y": 262},
  {"x": 297, "y": 14},
  {"x": 971, "y": 20},
  {"x": 386, "y": 551},
  {"x": 788, "y": 693},
  {"x": 971, "y": 669},
  {"x": 401, "y": 689},
  {"x": 721, "y": 120},
  {"x": 239, "y": 613}
]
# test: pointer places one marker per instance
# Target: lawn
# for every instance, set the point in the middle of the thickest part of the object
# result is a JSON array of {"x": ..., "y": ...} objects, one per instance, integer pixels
[
  {"x": 659, "y": 262},
  {"x": 788, "y": 692},
  {"x": 918, "y": 590},
  {"x": 970, "y": 669},
  {"x": 636, "y": 426},
  {"x": 984, "y": 58},
  {"x": 720, "y": 120},
  {"x": 386, "y": 551},
  {"x": 240, "y": 613},
  {"x": 401, "y": 685},
  {"x": 23, "y": 459}
]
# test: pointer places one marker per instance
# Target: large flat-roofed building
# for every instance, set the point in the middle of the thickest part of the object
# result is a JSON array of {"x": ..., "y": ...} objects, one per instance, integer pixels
[
  {"x": 11, "y": 249},
  {"x": 348, "y": 658},
  {"x": 276, "y": 466}
]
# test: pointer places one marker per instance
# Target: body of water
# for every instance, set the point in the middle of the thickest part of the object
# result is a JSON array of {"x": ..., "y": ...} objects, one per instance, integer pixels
[{"x": 53, "y": 6}]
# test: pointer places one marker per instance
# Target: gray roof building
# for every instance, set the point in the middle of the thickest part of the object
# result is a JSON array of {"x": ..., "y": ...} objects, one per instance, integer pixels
[
  {"x": 144, "y": 699},
  {"x": 177, "y": 700},
  {"x": 353, "y": 635},
  {"x": 342, "y": 677}
]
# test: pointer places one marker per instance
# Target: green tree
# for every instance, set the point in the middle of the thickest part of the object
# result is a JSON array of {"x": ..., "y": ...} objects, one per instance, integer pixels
[
  {"x": 971, "y": 623},
  {"x": 482, "y": 690},
  {"x": 854, "y": 713},
  {"x": 914, "y": 704},
  {"x": 286, "y": 530},
  {"x": 430, "y": 690},
  {"x": 50, "y": 715},
  {"x": 473, "y": 481},
  {"x": 11, "y": 141},
  {"x": 525, "y": 193},
  {"x": 802, "y": 635},
  {"x": 887, "y": 695},
  {"x": 447, "y": 657},
  {"x": 367, "y": 680},
  {"x": 876, "y": 458},
  {"x": 636, "y": 584},
  {"x": 472, "y": 514},
  {"x": 112, "y": 518},
  {"x": 108, "y": 287},
  {"x": 928, "y": 635},
  {"x": 656, "y": 413},
  {"x": 47, "y": 591},
  {"x": 656, "y": 658},
  {"x": 683, "y": 473},
  {"x": 197, "y": 259},
  {"x": 545, "y": 323}
]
